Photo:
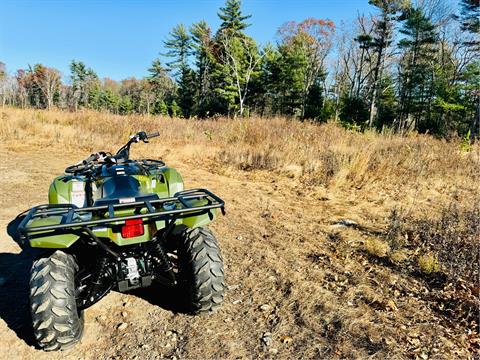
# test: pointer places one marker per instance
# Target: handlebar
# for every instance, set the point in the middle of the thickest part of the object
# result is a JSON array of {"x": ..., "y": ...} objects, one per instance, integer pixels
[
  {"x": 152, "y": 135},
  {"x": 123, "y": 153},
  {"x": 90, "y": 159},
  {"x": 121, "y": 156}
]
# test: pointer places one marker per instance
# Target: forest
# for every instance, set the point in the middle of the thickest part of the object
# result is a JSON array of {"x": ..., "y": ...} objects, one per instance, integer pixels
[{"x": 406, "y": 66}]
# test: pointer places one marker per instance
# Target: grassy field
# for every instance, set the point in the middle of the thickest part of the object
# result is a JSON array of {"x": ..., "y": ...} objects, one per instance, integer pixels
[{"x": 337, "y": 244}]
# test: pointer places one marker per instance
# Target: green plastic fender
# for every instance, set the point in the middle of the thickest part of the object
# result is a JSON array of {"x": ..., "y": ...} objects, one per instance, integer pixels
[
  {"x": 199, "y": 220},
  {"x": 43, "y": 240},
  {"x": 67, "y": 190},
  {"x": 174, "y": 180}
]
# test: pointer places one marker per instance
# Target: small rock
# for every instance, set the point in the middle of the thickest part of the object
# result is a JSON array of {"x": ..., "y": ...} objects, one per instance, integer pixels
[
  {"x": 101, "y": 318},
  {"x": 168, "y": 333},
  {"x": 273, "y": 351},
  {"x": 233, "y": 287},
  {"x": 126, "y": 303},
  {"x": 265, "y": 307},
  {"x": 267, "y": 339},
  {"x": 239, "y": 237},
  {"x": 236, "y": 302},
  {"x": 124, "y": 313},
  {"x": 122, "y": 326},
  {"x": 227, "y": 320}
]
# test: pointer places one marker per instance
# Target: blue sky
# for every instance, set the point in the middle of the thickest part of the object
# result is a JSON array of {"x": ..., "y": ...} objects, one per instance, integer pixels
[{"x": 119, "y": 39}]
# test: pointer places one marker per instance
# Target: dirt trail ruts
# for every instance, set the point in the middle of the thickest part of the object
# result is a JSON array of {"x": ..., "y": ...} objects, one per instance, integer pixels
[{"x": 292, "y": 291}]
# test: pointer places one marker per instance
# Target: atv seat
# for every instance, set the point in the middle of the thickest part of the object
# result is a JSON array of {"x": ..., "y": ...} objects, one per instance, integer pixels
[{"x": 122, "y": 189}]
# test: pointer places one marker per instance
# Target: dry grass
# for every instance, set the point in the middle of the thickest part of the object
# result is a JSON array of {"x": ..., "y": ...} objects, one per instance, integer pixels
[
  {"x": 285, "y": 183},
  {"x": 319, "y": 155}
]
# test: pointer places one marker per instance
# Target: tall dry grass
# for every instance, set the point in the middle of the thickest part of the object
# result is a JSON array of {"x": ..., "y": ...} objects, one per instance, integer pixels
[{"x": 325, "y": 155}]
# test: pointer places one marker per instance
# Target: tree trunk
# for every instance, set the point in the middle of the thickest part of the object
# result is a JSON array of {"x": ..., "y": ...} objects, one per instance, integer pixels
[{"x": 475, "y": 126}]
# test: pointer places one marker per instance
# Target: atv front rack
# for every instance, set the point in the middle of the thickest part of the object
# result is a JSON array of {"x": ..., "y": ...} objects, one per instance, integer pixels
[{"x": 172, "y": 208}]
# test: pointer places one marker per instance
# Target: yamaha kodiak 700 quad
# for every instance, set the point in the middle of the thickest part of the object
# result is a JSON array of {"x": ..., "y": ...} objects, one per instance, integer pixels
[{"x": 121, "y": 224}]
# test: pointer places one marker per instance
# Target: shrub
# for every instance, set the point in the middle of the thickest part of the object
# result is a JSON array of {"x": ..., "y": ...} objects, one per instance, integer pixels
[
  {"x": 377, "y": 247},
  {"x": 428, "y": 264}
]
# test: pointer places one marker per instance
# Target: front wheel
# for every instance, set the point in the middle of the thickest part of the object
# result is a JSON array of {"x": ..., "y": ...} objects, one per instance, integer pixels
[
  {"x": 201, "y": 270},
  {"x": 57, "y": 324}
]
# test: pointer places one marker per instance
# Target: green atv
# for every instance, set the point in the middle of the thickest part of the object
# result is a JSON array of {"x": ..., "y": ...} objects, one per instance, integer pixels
[{"x": 121, "y": 224}]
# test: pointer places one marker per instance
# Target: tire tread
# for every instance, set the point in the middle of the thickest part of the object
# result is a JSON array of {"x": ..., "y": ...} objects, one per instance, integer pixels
[{"x": 57, "y": 324}]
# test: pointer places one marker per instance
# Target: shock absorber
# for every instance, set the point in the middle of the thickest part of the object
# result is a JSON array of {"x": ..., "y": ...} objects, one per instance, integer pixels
[
  {"x": 163, "y": 262},
  {"x": 100, "y": 286}
]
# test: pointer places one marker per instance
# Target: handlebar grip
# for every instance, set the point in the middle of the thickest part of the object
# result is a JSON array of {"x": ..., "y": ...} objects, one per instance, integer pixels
[
  {"x": 90, "y": 158},
  {"x": 154, "y": 134}
]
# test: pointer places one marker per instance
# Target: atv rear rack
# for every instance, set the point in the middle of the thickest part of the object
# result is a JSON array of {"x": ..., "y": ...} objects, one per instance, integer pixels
[{"x": 74, "y": 217}]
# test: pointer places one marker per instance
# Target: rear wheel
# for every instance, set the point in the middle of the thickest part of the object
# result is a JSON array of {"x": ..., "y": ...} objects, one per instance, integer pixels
[
  {"x": 201, "y": 270},
  {"x": 57, "y": 324}
]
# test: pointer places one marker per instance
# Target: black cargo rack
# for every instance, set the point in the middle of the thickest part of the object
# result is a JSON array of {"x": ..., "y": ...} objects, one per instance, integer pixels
[{"x": 104, "y": 214}]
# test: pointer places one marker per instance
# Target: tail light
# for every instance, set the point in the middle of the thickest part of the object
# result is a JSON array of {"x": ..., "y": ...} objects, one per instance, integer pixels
[{"x": 132, "y": 228}]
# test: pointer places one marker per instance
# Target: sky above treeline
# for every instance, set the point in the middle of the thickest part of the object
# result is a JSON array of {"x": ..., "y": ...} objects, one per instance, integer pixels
[{"x": 119, "y": 39}]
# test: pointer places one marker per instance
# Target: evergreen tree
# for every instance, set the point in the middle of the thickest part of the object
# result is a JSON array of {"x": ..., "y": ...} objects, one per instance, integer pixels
[
  {"x": 470, "y": 16},
  {"x": 162, "y": 87},
  {"x": 416, "y": 70},
  {"x": 232, "y": 19},
  {"x": 470, "y": 23},
  {"x": 383, "y": 36},
  {"x": 203, "y": 45},
  {"x": 179, "y": 47},
  {"x": 83, "y": 79}
]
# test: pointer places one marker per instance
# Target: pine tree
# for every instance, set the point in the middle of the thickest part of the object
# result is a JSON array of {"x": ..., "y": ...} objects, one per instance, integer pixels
[
  {"x": 83, "y": 80},
  {"x": 470, "y": 23},
  {"x": 203, "y": 44},
  {"x": 416, "y": 69},
  {"x": 162, "y": 86},
  {"x": 380, "y": 43},
  {"x": 179, "y": 47},
  {"x": 470, "y": 16},
  {"x": 232, "y": 18}
]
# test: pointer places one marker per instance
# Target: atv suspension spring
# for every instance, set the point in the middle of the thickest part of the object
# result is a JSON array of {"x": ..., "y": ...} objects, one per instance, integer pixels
[{"x": 163, "y": 261}]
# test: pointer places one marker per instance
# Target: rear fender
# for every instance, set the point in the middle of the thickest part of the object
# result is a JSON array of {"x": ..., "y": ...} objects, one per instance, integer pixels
[
  {"x": 42, "y": 239},
  {"x": 199, "y": 220}
]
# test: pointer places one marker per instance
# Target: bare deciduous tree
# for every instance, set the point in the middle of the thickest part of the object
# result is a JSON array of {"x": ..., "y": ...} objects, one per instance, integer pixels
[
  {"x": 242, "y": 58},
  {"x": 48, "y": 81}
]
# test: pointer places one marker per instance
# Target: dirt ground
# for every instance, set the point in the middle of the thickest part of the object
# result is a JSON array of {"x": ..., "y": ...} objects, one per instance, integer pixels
[{"x": 298, "y": 284}]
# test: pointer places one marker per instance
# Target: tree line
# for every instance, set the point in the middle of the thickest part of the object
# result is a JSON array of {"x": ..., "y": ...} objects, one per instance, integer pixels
[{"x": 407, "y": 66}]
